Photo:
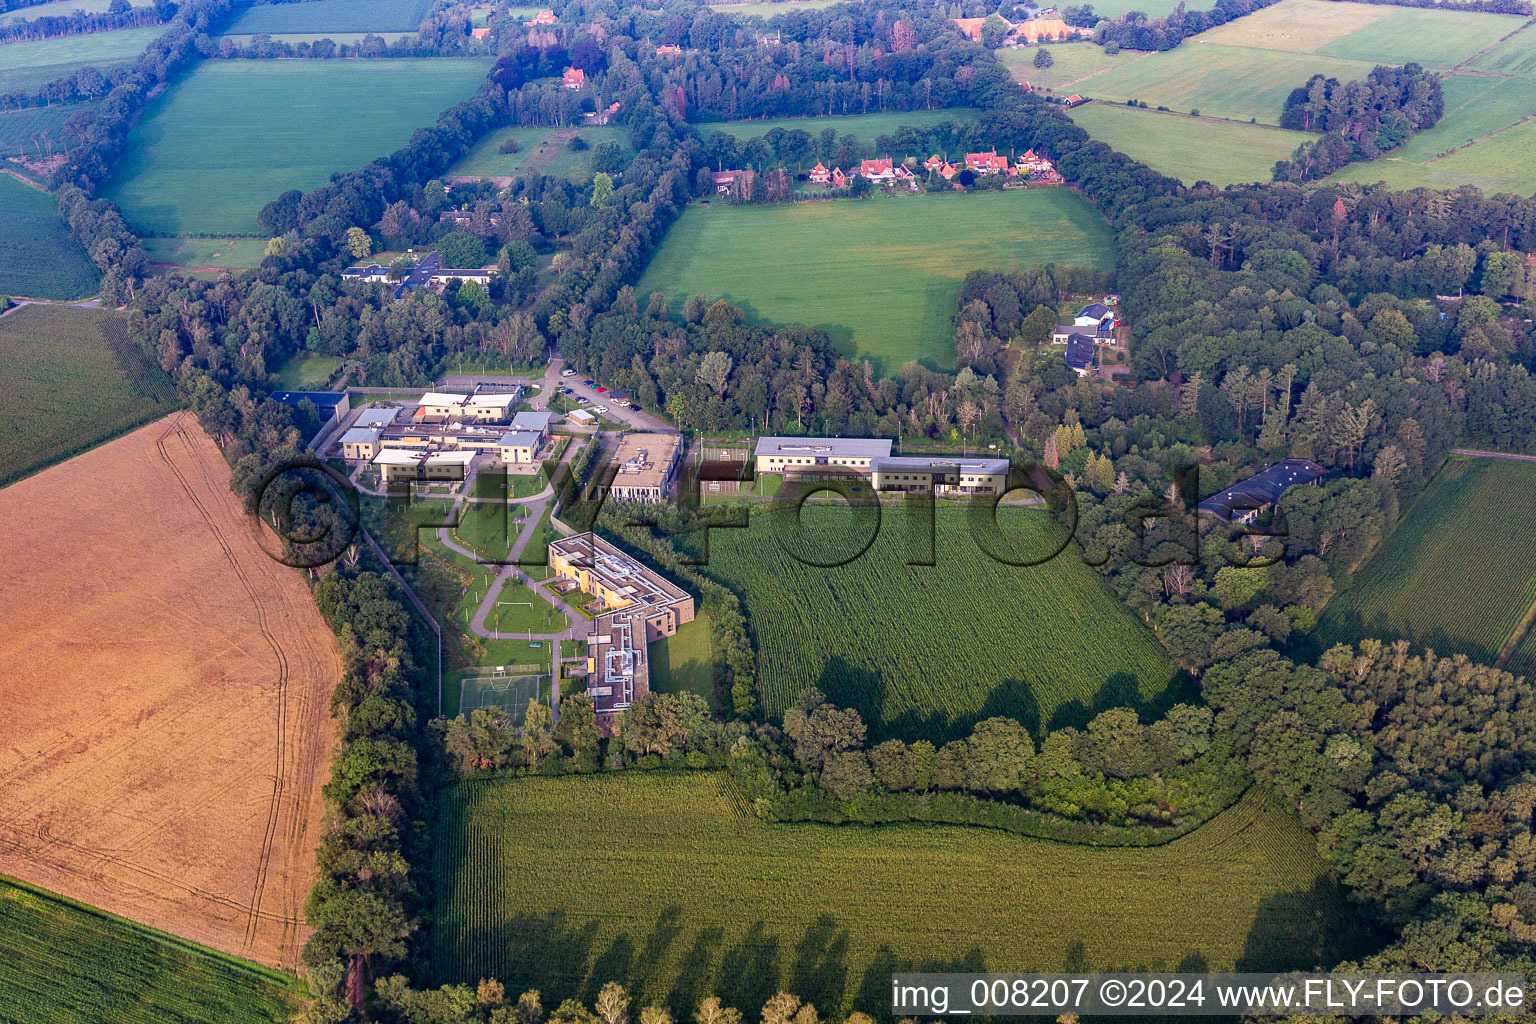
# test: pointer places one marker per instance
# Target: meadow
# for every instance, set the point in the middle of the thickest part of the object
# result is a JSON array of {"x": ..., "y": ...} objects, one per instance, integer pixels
[
  {"x": 541, "y": 149},
  {"x": 1111, "y": 9},
  {"x": 81, "y": 380},
  {"x": 42, "y": 260},
  {"x": 208, "y": 154},
  {"x": 62, "y": 961},
  {"x": 1071, "y": 63},
  {"x": 769, "y": 9},
  {"x": 880, "y": 276},
  {"x": 926, "y": 651},
  {"x": 864, "y": 127},
  {"x": 190, "y": 253},
  {"x": 59, "y": 9},
  {"x": 331, "y": 16},
  {"x": 668, "y": 883},
  {"x": 1476, "y": 523},
  {"x": 1190, "y": 148},
  {"x": 28, "y": 66},
  {"x": 1514, "y": 56}
]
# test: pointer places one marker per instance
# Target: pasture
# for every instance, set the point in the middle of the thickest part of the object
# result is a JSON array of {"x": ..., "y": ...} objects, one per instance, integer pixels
[
  {"x": 1072, "y": 64},
  {"x": 767, "y": 8},
  {"x": 1190, "y": 148},
  {"x": 880, "y": 276},
  {"x": 59, "y": 9},
  {"x": 62, "y": 961},
  {"x": 205, "y": 254},
  {"x": 540, "y": 150},
  {"x": 326, "y": 16},
  {"x": 207, "y": 154},
  {"x": 29, "y": 65},
  {"x": 295, "y": 38},
  {"x": 702, "y": 898},
  {"x": 864, "y": 127},
  {"x": 926, "y": 651},
  {"x": 164, "y": 760},
  {"x": 43, "y": 261},
  {"x": 1454, "y": 575},
  {"x": 81, "y": 380},
  {"x": 1514, "y": 56}
]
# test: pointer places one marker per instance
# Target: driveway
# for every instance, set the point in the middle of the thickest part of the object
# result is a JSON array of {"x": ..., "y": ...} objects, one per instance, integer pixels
[{"x": 637, "y": 418}]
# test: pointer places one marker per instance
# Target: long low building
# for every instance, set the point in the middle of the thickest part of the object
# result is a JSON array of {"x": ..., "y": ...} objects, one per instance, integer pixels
[
  {"x": 641, "y": 606},
  {"x": 396, "y": 464},
  {"x": 943, "y": 475},
  {"x": 797, "y": 456},
  {"x": 449, "y": 422},
  {"x": 1242, "y": 502},
  {"x": 481, "y": 408}
]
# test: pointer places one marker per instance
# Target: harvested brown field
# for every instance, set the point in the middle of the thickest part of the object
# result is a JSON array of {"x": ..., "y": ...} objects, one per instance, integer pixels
[{"x": 167, "y": 691}]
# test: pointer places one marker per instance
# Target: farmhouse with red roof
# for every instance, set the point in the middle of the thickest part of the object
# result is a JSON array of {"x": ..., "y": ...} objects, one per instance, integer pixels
[
  {"x": 574, "y": 78},
  {"x": 819, "y": 174}
]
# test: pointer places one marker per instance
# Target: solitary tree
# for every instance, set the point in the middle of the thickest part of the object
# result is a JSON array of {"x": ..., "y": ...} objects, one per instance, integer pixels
[
  {"x": 358, "y": 243},
  {"x": 1043, "y": 58}
]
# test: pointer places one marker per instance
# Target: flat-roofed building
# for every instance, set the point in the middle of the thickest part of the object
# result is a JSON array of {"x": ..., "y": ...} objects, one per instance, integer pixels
[
  {"x": 518, "y": 446},
  {"x": 330, "y": 405},
  {"x": 435, "y": 406},
  {"x": 943, "y": 475},
  {"x": 646, "y": 467},
  {"x": 797, "y": 456},
  {"x": 397, "y": 464},
  {"x": 376, "y": 416},
  {"x": 641, "y": 606},
  {"x": 537, "y": 422}
]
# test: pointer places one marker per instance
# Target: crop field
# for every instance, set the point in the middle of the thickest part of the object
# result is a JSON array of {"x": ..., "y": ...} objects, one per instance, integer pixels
[
  {"x": 29, "y": 65},
  {"x": 61, "y": 961},
  {"x": 864, "y": 127},
  {"x": 683, "y": 662},
  {"x": 908, "y": 645},
  {"x": 1476, "y": 523},
  {"x": 42, "y": 260},
  {"x": 207, "y": 154},
  {"x": 880, "y": 276},
  {"x": 706, "y": 899},
  {"x": 1190, "y": 148},
  {"x": 1221, "y": 81},
  {"x": 1514, "y": 56},
  {"x": 59, "y": 9},
  {"x": 163, "y": 760},
  {"x": 331, "y": 16},
  {"x": 81, "y": 380},
  {"x": 20, "y": 129},
  {"x": 1071, "y": 63}
]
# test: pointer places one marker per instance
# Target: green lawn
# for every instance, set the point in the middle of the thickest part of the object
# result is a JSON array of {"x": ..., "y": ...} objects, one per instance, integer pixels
[
  {"x": 864, "y": 127},
  {"x": 331, "y": 16},
  {"x": 42, "y": 260},
  {"x": 683, "y": 662},
  {"x": 81, "y": 380},
  {"x": 1190, "y": 148},
  {"x": 881, "y": 275},
  {"x": 61, "y": 961},
  {"x": 667, "y": 883},
  {"x": 486, "y": 160},
  {"x": 27, "y": 66},
  {"x": 1072, "y": 63},
  {"x": 191, "y": 253},
  {"x": 1455, "y": 573},
  {"x": 305, "y": 372},
  {"x": 926, "y": 651},
  {"x": 551, "y": 156},
  {"x": 208, "y": 154}
]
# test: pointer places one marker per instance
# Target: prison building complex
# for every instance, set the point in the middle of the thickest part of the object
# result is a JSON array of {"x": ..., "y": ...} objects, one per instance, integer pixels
[
  {"x": 942, "y": 475},
  {"x": 640, "y": 605},
  {"x": 396, "y": 464},
  {"x": 330, "y": 405},
  {"x": 1243, "y": 502},
  {"x": 645, "y": 467}
]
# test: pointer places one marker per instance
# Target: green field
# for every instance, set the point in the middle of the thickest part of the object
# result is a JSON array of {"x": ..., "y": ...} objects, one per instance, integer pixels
[
  {"x": 200, "y": 253},
  {"x": 1514, "y": 56},
  {"x": 1190, "y": 148},
  {"x": 42, "y": 260},
  {"x": 331, "y": 16},
  {"x": 864, "y": 127},
  {"x": 682, "y": 662},
  {"x": 305, "y": 372},
  {"x": 927, "y": 651},
  {"x": 882, "y": 275},
  {"x": 1111, "y": 9},
  {"x": 28, "y": 66},
  {"x": 511, "y": 692},
  {"x": 1071, "y": 63},
  {"x": 295, "y": 38},
  {"x": 1371, "y": 32},
  {"x": 19, "y": 128},
  {"x": 208, "y": 154},
  {"x": 1501, "y": 163},
  {"x": 1454, "y": 575},
  {"x": 667, "y": 883},
  {"x": 1220, "y": 81},
  {"x": 550, "y": 155},
  {"x": 60, "y": 9},
  {"x": 64, "y": 962},
  {"x": 768, "y": 10},
  {"x": 80, "y": 380}
]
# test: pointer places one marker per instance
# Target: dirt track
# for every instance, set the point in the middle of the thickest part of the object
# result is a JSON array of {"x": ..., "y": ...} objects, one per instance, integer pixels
[{"x": 167, "y": 688}]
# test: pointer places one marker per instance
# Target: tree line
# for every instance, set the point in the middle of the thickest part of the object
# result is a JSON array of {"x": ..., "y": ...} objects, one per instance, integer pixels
[
  {"x": 119, "y": 14},
  {"x": 1360, "y": 120}
]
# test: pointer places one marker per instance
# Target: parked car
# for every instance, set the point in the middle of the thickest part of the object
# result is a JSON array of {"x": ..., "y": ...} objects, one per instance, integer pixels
[
  {"x": 567, "y": 373},
  {"x": 583, "y": 401},
  {"x": 601, "y": 390},
  {"x": 622, "y": 403},
  {"x": 566, "y": 391},
  {"x": 600, "y": 409},
  {"x": 589, "y": 383}
]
